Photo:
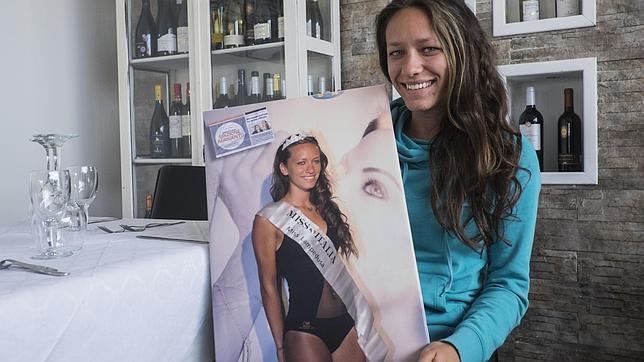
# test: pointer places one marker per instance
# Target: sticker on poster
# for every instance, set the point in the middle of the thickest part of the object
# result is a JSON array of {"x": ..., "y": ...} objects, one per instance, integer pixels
[{"x": 241, "y": 132}]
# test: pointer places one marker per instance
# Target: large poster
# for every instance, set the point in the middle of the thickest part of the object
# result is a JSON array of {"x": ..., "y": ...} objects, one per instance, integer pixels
[{"x": 378, "y": 284}]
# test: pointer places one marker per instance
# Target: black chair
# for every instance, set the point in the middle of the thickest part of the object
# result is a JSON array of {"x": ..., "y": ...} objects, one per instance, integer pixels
[{"x": 180, "y": 193}]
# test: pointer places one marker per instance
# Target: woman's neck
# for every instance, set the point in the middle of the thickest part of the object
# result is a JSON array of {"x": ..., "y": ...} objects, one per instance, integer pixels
[
  {"x": 299, "y": 198},
  {"x": 424, "y": 125}
]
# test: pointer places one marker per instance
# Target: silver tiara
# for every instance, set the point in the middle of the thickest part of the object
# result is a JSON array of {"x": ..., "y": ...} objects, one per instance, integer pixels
[{"x": 294, "y": 138}]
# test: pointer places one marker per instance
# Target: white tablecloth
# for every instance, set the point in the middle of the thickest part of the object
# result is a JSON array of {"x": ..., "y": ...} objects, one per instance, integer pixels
[{"x": 126, "y": 299}]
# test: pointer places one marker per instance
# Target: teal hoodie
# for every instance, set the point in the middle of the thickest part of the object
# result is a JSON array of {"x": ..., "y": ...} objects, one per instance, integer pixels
[{"x": 463, "y": 306}]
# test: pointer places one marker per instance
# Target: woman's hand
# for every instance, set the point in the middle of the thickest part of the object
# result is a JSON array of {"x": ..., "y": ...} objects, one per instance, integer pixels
[{"x": 439, "y": 352}]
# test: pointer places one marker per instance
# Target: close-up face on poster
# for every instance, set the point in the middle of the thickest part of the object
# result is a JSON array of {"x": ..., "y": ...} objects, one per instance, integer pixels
[{"x": 310, "y": 246}]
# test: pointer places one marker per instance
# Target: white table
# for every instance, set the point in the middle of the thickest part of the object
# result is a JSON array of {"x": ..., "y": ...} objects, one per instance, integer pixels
[{"x": 126, "y": 299}]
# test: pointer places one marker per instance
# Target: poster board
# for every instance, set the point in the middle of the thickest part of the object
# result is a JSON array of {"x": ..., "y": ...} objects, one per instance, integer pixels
[{"x": 355, "y": 131}]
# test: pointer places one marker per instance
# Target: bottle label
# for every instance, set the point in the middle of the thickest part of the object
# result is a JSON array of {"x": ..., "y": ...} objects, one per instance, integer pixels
[
  {"x": 308, "y": 27},
  {"x": 262, "y": 31},
  {"x": 158, "y": 146},
  {"x": 280, "y": 27},
  {"x": 530, "y": 10},
  {"x": 167, "y": 43},
  {"x": 183, "y": 39},
  {"x": 533, "y": 133},
  {"x": 175, "y": 126},
  {"x": 233, "y": 40},
  {"x": 144, "y": 46},
  {"x": 318, "y": 31},
  {"x": 185, "y": 125},
  {"x": 567, "y": 8}
]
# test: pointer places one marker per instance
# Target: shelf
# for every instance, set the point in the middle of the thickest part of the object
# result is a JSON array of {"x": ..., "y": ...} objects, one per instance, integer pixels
[
  {"x": 502, "y": 27},
  {"x": 270, "y": 52},
  {"x": 549, "y": 80},
  {"x": 162, "y": 63},
  {"x": 155, "y": 161}
]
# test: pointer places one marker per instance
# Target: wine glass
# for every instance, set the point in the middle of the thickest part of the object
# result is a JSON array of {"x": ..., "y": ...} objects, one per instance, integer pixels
[
  {"x": 53, "y": 144},
  {"x": 84, "y": 183},
  {"x": 49, "y": 192}
]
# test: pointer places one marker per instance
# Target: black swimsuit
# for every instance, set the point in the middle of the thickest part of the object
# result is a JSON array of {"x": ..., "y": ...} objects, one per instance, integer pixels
[{"x": 306, "y": 284}]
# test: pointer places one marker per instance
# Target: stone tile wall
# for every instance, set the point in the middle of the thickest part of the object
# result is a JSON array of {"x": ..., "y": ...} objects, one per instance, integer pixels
[{"x": 587, "y": 289}]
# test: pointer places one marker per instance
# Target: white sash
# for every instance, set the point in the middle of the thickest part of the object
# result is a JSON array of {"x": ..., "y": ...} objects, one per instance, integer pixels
[{"x": 321, "y": 251}]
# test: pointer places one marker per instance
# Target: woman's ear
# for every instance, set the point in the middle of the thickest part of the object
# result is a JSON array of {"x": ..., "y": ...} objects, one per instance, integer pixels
[{"x": 283, "y": 169}]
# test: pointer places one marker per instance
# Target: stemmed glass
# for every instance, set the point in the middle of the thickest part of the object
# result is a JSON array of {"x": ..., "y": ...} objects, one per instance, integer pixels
[
  {"x": 52, "y": 143},
  {"x": 49, "y": 193},
  {"x": 84, "y": 183}
]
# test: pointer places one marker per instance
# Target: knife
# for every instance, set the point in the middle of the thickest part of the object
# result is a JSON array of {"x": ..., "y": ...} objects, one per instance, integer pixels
[{"x": 171, "y": 239}]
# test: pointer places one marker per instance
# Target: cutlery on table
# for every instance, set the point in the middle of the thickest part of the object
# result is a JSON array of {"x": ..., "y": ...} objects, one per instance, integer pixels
[
  {"x": 171, "y": 239},
  {"x": 110, "y": 231},
  {"x": 136, "y": 228},
  {"x": 4, "y": 264}
]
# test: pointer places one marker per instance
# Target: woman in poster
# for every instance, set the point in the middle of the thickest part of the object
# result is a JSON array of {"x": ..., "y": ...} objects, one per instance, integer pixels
[{"x": 285, "y": 236}]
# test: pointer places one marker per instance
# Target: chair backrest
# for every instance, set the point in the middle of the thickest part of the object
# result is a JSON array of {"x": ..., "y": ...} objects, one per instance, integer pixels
[{"x": 180, "y": 193}]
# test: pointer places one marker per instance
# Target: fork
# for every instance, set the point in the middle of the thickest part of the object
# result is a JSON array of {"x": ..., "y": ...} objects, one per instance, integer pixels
[
  {"x": 4, "y": 264},
  {"x": 108, "y": 230},
  {"x": 137, "y": 228}
]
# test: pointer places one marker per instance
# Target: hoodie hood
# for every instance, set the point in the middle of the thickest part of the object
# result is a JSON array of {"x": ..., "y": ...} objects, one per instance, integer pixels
[{"x": 411, "y": 151}]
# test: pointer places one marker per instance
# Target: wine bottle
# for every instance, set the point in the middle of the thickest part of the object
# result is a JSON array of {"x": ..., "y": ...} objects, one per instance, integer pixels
[
  {"x": 272, "y": 19},
  {"x": 530, "y": 10},
  {"x": 167, "y": 37},
  {"x": 262, "y": 24},
  {"x": 223, "y": 100},
  {"x": 183, "y": 36},
  {"x": 567, "y": 8},
  {"x": 186, "y": 126},
  {"x": 531, "y": 124},
  {"x": 255, "y": 96},
  {"x": 148, "y": 206},
  {"x": 277, "y": 86},
  {"x": 216, "y": 25},
  {"x": 235, "y": 29},
  {"x": 280, "y": 20},
  {"x": 309, "y": 84},
  {"x": 159, "y": 128},
  {"x": 176, "y": 109},
  {"x": 268, "y": 87},
  {"x": 314, "y": 25},
  {"x": 145, "y": 38},
  {"x": 242, "y": 91},
  {"x": 250, "y": 10},
  {"x": 570, "y": 148}
]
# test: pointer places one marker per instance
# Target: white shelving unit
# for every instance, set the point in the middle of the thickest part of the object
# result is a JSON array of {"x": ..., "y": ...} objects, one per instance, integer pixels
[
  {"x": 501, "y": 26},
  {"x": 294, "y": 58},
  {"x": 550, "y": 79}
]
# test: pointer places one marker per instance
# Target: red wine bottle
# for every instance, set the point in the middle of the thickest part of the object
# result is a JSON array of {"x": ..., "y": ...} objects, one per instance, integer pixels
[
  {"x": 570, "y": 148},
  {"x": 242, "y": 90},
  {"x": 145, "y": 38},
  {"x": 167, "y": 37},
  {"x": 159, "y": 128},
  {"x": 183, "y": 35},
  {"x": 280, "y": 20},
  {"x": 186, "y": 126},
  {"x": 255, "y": 96},
  {"x": 531, "y": 124},
  {"x": 176, "y": 109},
  {"x": 223, "y": 100}
]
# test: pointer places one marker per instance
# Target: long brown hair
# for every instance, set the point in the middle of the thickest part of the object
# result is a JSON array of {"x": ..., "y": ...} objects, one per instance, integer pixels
[
  {"x": 321, "y": 196},
  {"x": 474, "y": 158}
]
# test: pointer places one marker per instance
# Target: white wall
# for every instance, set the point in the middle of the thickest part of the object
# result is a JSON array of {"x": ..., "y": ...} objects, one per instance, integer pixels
[{"x": 58, "y": 66}]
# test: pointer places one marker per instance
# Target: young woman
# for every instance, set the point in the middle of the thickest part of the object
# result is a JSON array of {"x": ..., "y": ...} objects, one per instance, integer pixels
[
  {"x": 471, "y": 181},
  {"x": 317, "y": 326}
]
